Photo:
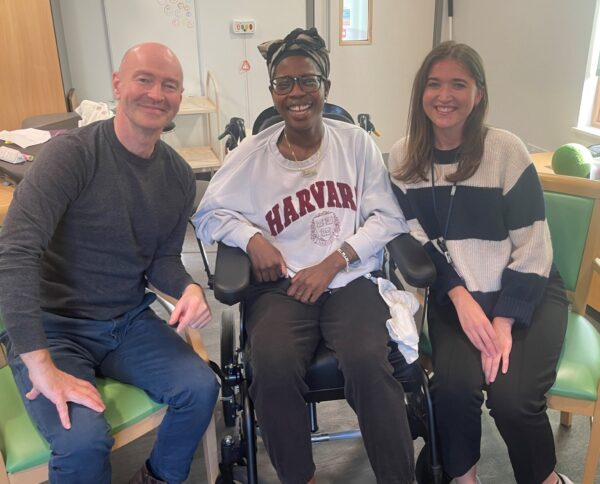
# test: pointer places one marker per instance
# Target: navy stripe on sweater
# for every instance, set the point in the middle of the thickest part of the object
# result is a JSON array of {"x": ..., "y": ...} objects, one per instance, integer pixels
[
  {"x": 525, "y": 208},
  {"x": 470, "y": 217}
]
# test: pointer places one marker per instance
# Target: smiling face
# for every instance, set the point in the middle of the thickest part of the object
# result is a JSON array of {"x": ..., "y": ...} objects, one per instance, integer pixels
[
  {"x": 449, "y": 97},
  {"x": 301, "y": 111},
  {"x": 148, "y": 86}
]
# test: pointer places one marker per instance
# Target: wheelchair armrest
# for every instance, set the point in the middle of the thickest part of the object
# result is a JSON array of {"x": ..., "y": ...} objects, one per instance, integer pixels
[
  {"x": 412, "y": 261},
  {"x": 232, "y": 274}
]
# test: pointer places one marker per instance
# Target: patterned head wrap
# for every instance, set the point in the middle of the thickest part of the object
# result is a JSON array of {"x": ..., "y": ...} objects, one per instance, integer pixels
[{"x": 298, "y": 42}]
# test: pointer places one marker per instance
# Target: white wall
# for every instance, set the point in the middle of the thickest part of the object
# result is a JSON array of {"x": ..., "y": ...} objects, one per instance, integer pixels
[
  {"x": 87, "y": 50},
  {"x": 535, "y": 54},
  {"x": 243, "y": 94},
  {"x": 377, "y": 78},
  {"x": 381, "y": 73}
]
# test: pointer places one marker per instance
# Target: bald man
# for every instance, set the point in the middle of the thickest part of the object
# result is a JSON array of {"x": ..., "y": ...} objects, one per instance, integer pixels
[{"x": 101, "y": 214}]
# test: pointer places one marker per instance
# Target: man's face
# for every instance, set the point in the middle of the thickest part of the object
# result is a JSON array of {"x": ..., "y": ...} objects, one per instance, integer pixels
[{"x": 148, "y": 86}]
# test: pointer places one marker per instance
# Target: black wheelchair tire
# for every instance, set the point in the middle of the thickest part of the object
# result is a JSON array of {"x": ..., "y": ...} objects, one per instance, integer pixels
[{"x": 228, "y": 358}]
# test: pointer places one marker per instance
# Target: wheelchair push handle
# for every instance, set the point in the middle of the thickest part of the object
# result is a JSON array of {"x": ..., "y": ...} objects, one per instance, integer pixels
[
  {"x": 236, "y": 128},
  {"x": 364, "y": 121},
  {"x": 236, "y": 132}
]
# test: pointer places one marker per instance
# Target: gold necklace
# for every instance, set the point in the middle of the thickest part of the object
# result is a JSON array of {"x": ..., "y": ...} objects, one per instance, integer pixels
[{"x": 312, "y": 171}]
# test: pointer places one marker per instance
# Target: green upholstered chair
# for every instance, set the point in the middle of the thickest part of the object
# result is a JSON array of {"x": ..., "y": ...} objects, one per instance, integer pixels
[
  {"x": 24, "y": 454},
  {"x": 573, "y": 214}
]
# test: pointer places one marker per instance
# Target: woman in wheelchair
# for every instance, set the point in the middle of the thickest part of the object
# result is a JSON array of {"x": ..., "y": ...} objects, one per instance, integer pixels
[
  {"x": 311, "y": 204},
  {"x": 497, "y": 314}
]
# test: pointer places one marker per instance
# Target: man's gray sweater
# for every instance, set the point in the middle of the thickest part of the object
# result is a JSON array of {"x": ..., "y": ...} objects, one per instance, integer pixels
[{"x": 88, "y": 226}]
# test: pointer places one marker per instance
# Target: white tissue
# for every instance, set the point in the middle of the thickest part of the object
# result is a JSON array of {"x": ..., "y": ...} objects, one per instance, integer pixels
[{"x": 401, "y": 326}]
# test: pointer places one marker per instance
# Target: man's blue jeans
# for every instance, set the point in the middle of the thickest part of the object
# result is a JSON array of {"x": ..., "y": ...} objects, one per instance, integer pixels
[{"x": 137, "y": 348}]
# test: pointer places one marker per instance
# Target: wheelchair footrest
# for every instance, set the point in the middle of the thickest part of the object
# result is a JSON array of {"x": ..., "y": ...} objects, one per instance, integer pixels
[{"x": 329, "y": 436}]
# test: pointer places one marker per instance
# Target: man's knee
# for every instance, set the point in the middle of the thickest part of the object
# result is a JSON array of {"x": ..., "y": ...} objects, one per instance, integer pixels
[
  {"x": 86, "y": 443},
  {"x": 197, "y": 388}
]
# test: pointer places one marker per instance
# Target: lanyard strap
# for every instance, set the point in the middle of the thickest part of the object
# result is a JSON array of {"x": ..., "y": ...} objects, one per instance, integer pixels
[{"x": 441, "y": 241}]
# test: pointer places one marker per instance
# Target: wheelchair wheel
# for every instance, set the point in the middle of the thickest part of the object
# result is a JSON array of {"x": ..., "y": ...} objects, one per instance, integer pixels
[{"x": 228, "y": 360}]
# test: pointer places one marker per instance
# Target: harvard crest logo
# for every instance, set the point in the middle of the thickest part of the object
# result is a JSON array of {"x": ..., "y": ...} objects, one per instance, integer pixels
[{"x": 324, "y": 228}]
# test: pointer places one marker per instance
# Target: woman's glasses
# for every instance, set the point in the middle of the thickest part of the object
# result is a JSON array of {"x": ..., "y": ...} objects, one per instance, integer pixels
[{"x": 285, "y": 84}]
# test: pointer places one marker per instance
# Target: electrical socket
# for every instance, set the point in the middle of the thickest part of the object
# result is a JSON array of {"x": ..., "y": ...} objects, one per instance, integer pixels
[{"x": 243, "y": 27}]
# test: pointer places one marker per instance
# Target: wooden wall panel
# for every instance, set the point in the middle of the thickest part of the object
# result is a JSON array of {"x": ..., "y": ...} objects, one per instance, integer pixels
[{"x": 30, "y": 77}]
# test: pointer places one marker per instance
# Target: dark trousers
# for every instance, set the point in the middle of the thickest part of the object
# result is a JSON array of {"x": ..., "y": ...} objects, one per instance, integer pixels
[
  {"x": 137, "y": 348},
  {"x": 517, "y": 400},
  {"x": 282, "y": 337}
]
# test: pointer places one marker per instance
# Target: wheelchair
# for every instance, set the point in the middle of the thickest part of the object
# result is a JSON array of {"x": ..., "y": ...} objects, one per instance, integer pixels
[{"x": 324, "y": 379}]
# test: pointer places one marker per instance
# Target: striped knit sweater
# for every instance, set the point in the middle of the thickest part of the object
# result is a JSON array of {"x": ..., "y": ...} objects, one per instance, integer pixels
[{"x": 498, "y": 238}]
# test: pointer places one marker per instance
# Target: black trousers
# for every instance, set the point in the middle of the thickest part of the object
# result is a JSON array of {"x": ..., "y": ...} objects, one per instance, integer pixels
[
  {"x": 282, "y": 337},
  {"x": 517, "y": 400}
]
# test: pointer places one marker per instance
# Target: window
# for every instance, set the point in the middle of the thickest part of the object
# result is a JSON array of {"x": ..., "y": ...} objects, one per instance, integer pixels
[
  {"x": 355, "y": 21},
  {"x": 589, "y": 111},
  {"x": 595, "y": 121}
]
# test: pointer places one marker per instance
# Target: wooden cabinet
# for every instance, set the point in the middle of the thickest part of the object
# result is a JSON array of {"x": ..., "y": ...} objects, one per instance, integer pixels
[{"x": 31, "y": 77}]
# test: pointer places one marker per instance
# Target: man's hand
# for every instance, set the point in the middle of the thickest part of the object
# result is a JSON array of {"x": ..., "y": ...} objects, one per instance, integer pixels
[
  {"x": 503, "y": 328},
  {"x": 191, "y": 310},
  {"x": 267, "y": 262},
  {"x": 474, "y": 322},
  {"x": 59, "y": 387},
  {"x": 308, "y": 284}
]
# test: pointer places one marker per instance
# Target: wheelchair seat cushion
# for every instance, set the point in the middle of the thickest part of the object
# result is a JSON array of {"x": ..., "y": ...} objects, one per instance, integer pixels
[{"x": 323, "y": 374}]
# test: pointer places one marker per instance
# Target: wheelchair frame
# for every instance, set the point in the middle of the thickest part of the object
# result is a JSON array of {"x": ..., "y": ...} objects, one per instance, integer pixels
[{"x": 232, "y": 275}]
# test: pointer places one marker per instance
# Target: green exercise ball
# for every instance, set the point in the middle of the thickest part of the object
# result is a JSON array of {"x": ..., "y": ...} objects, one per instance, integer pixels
[{"x": 572, "y": 159}]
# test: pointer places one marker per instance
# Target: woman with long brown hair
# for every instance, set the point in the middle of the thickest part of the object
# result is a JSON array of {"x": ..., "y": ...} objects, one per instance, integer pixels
[{"x": 497, "y": 314}]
